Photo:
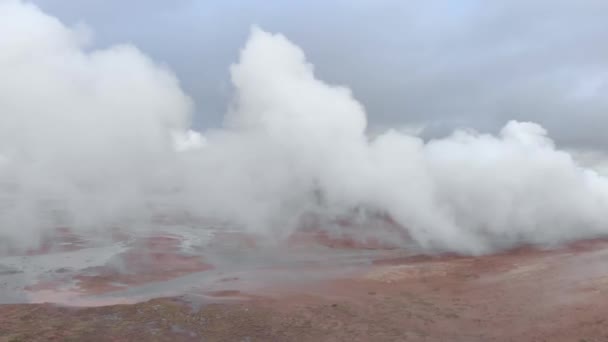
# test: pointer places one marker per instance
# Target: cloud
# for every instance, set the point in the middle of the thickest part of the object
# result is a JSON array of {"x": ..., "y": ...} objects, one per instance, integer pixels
[
  {"x": 73, "y": 120},
  {"x": 100, "y": 138},
  {"x": 530, "y": 191},
  {"x": 444, "y": 65}
]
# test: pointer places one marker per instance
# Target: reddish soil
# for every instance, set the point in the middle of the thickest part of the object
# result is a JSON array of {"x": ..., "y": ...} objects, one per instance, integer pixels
[{"x": 522, "y": 295}]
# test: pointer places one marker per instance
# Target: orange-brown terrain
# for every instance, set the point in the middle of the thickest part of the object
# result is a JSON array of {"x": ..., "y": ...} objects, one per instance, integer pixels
[{"x": 345, "y": 292}]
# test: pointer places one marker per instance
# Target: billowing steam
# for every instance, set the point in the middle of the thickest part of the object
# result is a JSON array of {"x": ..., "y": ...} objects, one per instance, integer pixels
[{"x": 100, "y": 139}]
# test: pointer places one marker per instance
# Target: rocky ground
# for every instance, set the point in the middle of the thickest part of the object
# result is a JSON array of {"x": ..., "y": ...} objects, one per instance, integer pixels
[{"x": 521, "y": 295}]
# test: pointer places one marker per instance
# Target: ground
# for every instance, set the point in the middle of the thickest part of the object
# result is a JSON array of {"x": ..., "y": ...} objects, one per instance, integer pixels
[{"x": 526, "y": 294}]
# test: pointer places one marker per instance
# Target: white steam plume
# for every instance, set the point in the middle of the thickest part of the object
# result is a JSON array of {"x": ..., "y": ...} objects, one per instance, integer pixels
[{"x": 105, "y": 134}]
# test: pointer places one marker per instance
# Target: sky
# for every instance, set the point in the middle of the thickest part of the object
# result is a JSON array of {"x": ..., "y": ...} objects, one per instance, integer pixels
[{"x": 437, "y": 65}]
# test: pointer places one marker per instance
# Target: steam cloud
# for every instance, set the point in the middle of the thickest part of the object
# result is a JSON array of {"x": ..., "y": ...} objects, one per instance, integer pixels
[{"x": 98, "y": 139}]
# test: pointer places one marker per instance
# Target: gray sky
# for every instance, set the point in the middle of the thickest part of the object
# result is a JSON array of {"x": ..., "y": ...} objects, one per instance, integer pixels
[{"x": 447, "y": 64}]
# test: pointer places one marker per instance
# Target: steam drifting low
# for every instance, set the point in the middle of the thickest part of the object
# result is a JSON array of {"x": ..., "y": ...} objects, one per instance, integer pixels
[{"x": 94, "y": 140}]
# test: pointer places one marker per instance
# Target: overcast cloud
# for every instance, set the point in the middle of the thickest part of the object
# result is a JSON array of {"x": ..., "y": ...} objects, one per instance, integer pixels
[{"x": 442, "y": 64}]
